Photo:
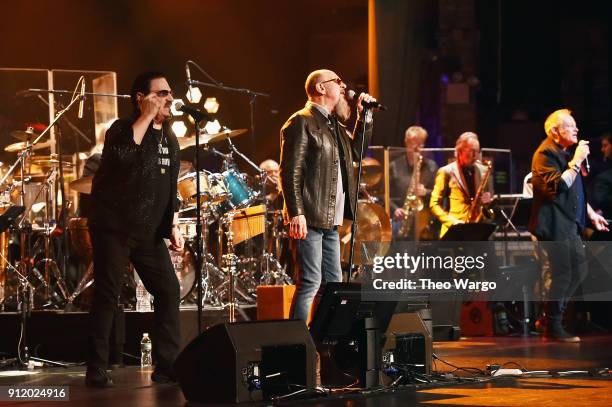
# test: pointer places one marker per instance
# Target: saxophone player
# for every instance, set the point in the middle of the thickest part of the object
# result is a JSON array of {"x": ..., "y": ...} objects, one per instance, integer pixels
[
  {"x": 402, "y": 172},
  {"x": 457, "y": 184}
]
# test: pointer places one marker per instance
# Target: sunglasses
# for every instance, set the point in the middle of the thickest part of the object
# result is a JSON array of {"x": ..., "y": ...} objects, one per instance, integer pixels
[
  {"x": 162, "y": 93},
  {"x": 336, "y": 79}
]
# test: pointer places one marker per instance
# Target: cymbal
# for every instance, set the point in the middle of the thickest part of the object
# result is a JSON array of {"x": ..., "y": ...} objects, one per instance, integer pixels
[
  {"x": 24, "y": 135},
  {"x": 224, "y": 135},
  {"x": 82, "y": 185},
  {"x": 45, "y": 157},
  {"x": 205, "y": 138},
  {"x": 42, "y": 164},
  {"x": 373, "y": 228},
  {"x": 15, "y": 147},
  {"x": 371, "y": 171}
]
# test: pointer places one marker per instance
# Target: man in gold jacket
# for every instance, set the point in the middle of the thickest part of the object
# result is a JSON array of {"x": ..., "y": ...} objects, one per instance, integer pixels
[{"x": 457, "y": 183}]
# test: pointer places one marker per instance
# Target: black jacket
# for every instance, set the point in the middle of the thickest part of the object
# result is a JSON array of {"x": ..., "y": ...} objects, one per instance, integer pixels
[
  {"x": 124, "y": 187},
  {"x": 309, "y": 166},
  {"x": 553, "y": 212}
]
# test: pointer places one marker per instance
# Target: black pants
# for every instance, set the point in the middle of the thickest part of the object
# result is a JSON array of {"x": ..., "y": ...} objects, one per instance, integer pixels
[
  {"x": 112, "y": 254},
  {"x": 568, "y": 265}
]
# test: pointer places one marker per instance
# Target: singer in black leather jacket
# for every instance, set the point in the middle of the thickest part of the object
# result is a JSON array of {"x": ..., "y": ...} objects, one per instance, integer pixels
[{"x": 319, "y": 181}]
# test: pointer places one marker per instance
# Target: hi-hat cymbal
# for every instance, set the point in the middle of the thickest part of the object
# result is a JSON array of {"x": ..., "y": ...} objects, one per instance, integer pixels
[
  {"x": 185, "y": 142},
  {"x": 24, "y": 135},
  {"x": 15, "y": 147},
  {"x": 82, "y": 185}
]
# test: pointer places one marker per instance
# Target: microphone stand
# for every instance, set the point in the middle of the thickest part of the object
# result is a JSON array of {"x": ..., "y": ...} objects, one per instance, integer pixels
[
  {"x": 253, "y": 96},
  {"x": 356, "y": 204}
]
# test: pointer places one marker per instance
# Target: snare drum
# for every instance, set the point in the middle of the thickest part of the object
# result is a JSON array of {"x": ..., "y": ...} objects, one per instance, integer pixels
[{"x": 241, "y": 195}]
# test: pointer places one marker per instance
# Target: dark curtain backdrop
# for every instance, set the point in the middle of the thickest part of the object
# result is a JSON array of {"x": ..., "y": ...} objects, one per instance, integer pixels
[{"x": 399, "y": 35}]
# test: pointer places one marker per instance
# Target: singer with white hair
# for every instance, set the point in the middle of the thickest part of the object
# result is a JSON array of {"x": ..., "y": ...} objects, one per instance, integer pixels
[
  {"x": 559, "y": 214},
  {"x": 318, "y": 179}
]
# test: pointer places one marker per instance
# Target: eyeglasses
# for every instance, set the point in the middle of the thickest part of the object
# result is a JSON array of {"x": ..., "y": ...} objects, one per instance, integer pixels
[
  {"x": 336, "y": 79},
  {"x": 162, "y": 93}
]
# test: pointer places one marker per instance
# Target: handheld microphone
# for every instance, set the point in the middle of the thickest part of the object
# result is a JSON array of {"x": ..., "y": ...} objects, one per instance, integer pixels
[
  {"x": 82, "y": 101},
  {"x": 369, "y": 105},
  {"x": 587, "y": 167},
  {"x": 197, "y": 115}
]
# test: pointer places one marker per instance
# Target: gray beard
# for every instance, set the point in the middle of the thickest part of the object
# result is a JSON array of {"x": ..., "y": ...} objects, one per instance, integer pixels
[{"x": 343, "y": 110}]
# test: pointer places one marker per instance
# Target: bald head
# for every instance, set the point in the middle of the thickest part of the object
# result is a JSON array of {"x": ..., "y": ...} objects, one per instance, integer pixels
[
  {"x": 316, "y": 77},
  {"x": 269, "y": 165}
]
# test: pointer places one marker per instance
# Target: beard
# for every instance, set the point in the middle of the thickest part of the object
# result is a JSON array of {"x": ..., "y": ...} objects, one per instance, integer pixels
[{"x": 343, "y": 110}]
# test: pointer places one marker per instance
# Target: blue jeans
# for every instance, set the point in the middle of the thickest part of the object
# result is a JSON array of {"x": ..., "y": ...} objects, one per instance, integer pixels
[{"x": 319, "y": 260}]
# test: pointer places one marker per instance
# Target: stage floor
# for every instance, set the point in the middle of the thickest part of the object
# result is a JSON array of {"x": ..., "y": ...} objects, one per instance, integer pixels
[{"x": 133, "y": 385}]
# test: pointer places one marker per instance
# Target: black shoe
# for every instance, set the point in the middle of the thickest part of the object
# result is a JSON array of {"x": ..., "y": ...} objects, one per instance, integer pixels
[
  {"x": 97, "y": 377},
  {"x": 163, "y": 376},
  {"x": 559, "y": 335}
]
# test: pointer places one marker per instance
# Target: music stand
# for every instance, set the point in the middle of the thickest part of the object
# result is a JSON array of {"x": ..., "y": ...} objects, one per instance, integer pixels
[{"x": 469, "y": 232}]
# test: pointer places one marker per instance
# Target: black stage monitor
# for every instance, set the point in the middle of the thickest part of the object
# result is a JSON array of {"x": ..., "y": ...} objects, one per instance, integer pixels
[{"x": 341, "y": 307}]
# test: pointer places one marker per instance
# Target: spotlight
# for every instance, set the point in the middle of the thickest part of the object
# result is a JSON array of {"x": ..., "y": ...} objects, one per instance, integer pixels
[
  {"x": 194, "y": 95},
  {"x": 179, "y": 128},
  {"x": 211, "y": 105},
  {"x": 213, "y": 127}
]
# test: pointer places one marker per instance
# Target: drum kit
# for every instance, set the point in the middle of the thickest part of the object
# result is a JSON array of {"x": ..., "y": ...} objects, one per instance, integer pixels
[{"x": 237, "y": 230}]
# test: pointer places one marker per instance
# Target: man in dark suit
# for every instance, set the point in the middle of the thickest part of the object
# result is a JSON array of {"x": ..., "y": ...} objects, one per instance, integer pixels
[
  {"x": 318, "y": 180},
  {"x": 559, "y": 214}
]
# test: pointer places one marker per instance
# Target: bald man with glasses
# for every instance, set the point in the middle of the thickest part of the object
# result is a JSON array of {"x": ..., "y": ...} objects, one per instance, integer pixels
[{"x": 318, "y": 180}]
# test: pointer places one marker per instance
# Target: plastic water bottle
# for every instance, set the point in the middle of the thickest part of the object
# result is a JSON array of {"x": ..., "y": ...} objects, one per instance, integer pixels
[
  {"x": 145, "y": 351},
  {"x": 143, "y": 298}
]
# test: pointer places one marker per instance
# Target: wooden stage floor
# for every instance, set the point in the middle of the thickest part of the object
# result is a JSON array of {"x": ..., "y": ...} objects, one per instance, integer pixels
[{"x": 134, "y": 388}]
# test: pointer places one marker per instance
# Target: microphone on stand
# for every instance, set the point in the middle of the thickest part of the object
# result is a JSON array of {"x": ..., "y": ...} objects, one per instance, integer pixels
[
  {"x": 82, "y": 101},
  {"x": 188, "y": 74},
  {"x": 370, "y": 105},
  {"x": 197, "y": 115}
]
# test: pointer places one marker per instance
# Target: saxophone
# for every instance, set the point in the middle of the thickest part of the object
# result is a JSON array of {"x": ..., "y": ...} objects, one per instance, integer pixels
[
  {"x": 412, "y": 203},
  {"x": 477, "y": 211}
]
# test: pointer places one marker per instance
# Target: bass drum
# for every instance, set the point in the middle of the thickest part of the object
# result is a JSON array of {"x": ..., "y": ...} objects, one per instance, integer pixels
[{"x": 184, "y": 267}]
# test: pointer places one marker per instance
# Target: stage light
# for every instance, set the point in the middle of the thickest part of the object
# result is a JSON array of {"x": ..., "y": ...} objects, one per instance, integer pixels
[
  {"x": 194, "y": 95},
  {"x": 213, "y": 127},
  {"x": 211, "y": 105},
  {"x": 179, "y": 128},
  {"x": 174, "y": 110}
]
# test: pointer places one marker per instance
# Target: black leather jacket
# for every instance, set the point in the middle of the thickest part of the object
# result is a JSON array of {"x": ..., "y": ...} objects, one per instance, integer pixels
[
  {"x": 309, "y": 166},
  {"x": 124, "y": 186}
]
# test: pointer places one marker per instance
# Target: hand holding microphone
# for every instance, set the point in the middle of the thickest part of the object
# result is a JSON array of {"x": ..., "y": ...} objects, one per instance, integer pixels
[
  {"x": 581, "y": 154},
  {"x": 365, "y": 101}
]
